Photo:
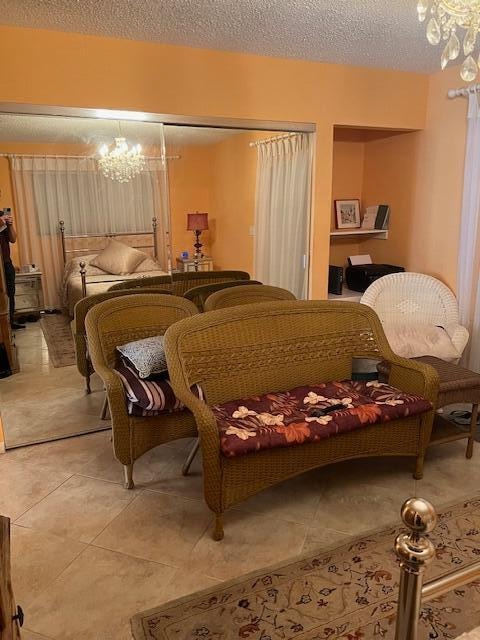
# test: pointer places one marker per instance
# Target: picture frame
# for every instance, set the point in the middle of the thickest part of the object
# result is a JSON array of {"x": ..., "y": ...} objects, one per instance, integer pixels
[{"x": 348, "y": 214}]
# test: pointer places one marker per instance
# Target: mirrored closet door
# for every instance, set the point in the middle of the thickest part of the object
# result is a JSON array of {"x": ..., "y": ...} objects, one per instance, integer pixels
[{"x": 187, "y": 197}]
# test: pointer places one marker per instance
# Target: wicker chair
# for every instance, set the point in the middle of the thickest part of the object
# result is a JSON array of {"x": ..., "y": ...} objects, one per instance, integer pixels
[
  {"x": 415, "y": 298},
  {"x": 164, "y": 282},
  {"x": 255, "y": 349},
  {"x": 185, "y": 280},
  {"x": 252, "y": 293},
  {"x": 83, "y": 306},
  {"x": 116, "y": 322},
  {"x": 199, "y": 295}
]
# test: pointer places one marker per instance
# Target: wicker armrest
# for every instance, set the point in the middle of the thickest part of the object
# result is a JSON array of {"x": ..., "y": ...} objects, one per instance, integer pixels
[
  {"x": 458, "y": 335},
  {"x": 414, "y": 377}
]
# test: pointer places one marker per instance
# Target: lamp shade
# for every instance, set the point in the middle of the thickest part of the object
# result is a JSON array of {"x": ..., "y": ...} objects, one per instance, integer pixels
[{"x": 197, "y": 221}]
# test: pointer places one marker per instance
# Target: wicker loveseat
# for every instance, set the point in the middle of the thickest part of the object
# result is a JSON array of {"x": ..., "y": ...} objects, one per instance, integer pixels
[
  {"x": 257, "y": 349},
  {"x": 115, "y": 322}
]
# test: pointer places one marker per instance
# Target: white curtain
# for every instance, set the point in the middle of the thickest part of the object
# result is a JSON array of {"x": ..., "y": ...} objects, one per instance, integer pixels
[
  {"x": 468, "y": 283},
  {"x": 282, "y": 208},
  {"x": 49, "y": 189}
]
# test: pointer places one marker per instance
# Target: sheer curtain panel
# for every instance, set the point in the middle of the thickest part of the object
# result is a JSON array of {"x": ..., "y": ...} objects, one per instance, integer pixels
[
  {"x": 468, "y": 282},
  {"x": 282, "y": 212},
  {"x": 49, "y": 189}
]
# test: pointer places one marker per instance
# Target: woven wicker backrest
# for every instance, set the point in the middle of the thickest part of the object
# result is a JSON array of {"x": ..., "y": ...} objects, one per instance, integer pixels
[
  {"x": 273, "y": 346},
  {"x": 186, "y": 280},
  {"x": 131, "y": 317},
  {"x": 412, "y": 298},
  {"x": 164, "y": 282},
  {"x": 84, "y": 305},
  {"x": 249, "y": 294},
  {"x": 199, "y": 295}
]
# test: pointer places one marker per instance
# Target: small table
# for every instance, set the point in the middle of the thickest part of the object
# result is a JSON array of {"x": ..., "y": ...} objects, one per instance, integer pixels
[
  {"x": 456, "y": 384},
  {"x": 203, "y": 264},
  {"x": 28, "y": 293}
]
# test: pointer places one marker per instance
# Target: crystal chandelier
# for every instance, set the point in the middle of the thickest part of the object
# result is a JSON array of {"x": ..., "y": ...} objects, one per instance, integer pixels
[
  {"x": 445, "y": 17},
  {"x": 121, "y": 163}
]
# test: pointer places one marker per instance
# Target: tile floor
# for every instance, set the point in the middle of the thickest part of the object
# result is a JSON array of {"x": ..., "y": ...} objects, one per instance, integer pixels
[
  {"x": 36, "y": 401},
  {"x": 87, "y": 554}
]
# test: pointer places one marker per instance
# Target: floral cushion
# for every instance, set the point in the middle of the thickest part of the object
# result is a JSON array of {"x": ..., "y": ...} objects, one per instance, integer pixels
[
  {"x": 282, "y": 419},
  {"x": 149, "y": 397}
]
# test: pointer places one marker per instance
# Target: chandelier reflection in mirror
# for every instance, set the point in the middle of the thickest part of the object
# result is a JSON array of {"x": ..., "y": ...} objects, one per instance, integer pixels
[
  {"x": 444, "y": 18},
  {"x": 121, "y": 163}
]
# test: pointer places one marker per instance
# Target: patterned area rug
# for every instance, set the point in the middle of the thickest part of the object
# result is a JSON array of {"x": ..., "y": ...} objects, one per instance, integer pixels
[
  {"x": 59, "y": 339},
  {"x": 349, "y": 592}
]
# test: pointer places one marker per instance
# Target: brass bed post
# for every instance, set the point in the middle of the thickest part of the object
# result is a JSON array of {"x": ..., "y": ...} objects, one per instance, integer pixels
[
  {"x": 414, "y": 551},
  {"x": 62, "y": 235},
  {"x": 83, "y": 275}
]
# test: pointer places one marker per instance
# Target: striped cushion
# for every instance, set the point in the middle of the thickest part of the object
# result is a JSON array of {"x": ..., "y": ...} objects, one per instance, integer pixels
[{"x": 149, "y": 397}]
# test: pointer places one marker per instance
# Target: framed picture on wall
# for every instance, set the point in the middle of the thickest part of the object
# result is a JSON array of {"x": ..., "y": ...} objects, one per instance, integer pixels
[{"x": 348, "y": 214}]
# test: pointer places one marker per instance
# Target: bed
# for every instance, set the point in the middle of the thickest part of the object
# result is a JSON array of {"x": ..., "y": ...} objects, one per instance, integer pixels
[{"x": 81, "y": 278}]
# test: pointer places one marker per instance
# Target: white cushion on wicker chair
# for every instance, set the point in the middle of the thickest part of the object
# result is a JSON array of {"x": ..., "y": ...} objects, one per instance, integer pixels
[
  {"x": 417, "y": 299},
  {"x": 417, "y": 340}
]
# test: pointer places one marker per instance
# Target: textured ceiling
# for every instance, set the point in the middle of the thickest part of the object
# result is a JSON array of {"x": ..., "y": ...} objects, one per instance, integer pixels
[
  {"x": 37, "y": 129},
  {"x": 375, "y": 33}
]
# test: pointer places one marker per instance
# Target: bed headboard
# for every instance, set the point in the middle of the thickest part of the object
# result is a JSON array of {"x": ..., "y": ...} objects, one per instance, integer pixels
[{"x": 81, "y": 245}]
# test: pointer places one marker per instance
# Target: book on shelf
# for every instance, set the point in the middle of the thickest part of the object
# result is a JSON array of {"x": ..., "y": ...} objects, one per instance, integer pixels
[{"x": 376, "y": 217}]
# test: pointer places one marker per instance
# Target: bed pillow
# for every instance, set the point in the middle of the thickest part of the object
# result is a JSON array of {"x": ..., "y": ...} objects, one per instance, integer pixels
[
  {"x": 118, "y": 259},
  {"x": 147, "y": 356},
  {"x": 416, "y": 340},
  {"x": 148, "y": 264}
]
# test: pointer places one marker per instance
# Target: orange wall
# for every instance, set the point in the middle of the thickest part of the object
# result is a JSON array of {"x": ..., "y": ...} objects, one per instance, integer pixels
[
  {"x": 190, "y": 185},
  {"x": 347, "y": 184},
  {"x": 421, "y": 175},
  {"x": 87, "y": 71},
  {"x": 233, "y": 201}
]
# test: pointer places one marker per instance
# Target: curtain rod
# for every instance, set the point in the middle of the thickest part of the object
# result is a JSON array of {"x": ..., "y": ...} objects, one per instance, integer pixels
[
  {"x": 274, "y": 139},
  {"x": 464, "y": 91},
  {"x": 32, "y": 155}
]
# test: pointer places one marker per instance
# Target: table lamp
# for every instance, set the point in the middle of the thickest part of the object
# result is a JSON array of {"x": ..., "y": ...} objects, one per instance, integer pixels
[{"x": 197, "y": 222}]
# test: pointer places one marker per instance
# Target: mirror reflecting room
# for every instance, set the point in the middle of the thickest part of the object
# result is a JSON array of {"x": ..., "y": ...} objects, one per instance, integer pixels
[{"x": 186, "y": 197}]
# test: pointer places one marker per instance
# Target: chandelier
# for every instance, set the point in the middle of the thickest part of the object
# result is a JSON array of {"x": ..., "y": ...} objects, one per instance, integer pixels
[
  {"x": 121, "y": 163},
  {"x": 445, "y": 17}
]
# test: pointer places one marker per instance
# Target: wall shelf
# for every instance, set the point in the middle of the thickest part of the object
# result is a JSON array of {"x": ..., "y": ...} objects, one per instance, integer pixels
[{"x": 378, "y": 234}]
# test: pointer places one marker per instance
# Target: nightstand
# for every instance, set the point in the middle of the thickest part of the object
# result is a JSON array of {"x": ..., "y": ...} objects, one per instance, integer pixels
[
  {"x": 28, "y": 293},
  {"x": 204, "y": 264}
]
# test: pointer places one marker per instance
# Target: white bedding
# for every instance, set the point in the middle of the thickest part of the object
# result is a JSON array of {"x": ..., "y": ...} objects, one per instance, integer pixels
[{"x": 98, "y": 281}]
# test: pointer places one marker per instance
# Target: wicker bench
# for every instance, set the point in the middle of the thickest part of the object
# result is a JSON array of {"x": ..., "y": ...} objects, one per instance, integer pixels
[{"x": 257, "y": 349}]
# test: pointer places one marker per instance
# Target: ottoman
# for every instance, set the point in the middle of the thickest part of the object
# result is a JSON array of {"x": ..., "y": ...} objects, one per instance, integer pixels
[{"x": 456, "y": 385}]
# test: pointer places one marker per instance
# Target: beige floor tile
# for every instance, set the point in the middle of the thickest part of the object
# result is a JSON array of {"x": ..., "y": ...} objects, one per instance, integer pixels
[
  {"x": 319, "y": 539},
  {"x": 251, "y": 542},
  {"x": 22, "y": 486},
  {"x": 181, "y": 521},
  {"x": 295, "y": 500},
  {"x": 109, "y": 588},
  {"x": 356, "y": 507},
  {"x": 30, "y": 635},
  {"x": 147, "y": 470},
  {"x": 172, "y": 481},
  {"x": 448, "y": 475},
  {"x": 49, "y": 413},
  {"x": 69, "y": 455},
  {"x": 37, "y": 559},
  {"x": 79, "y": 509}
]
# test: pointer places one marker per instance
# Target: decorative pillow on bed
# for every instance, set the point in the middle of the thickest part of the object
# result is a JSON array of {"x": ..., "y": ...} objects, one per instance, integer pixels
[
  {"x": 149, "y": 264},
  {"x": 416, "y": 340},
  {"x": 118, "y": 259},
  {"x": 147, "y": 356}
]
